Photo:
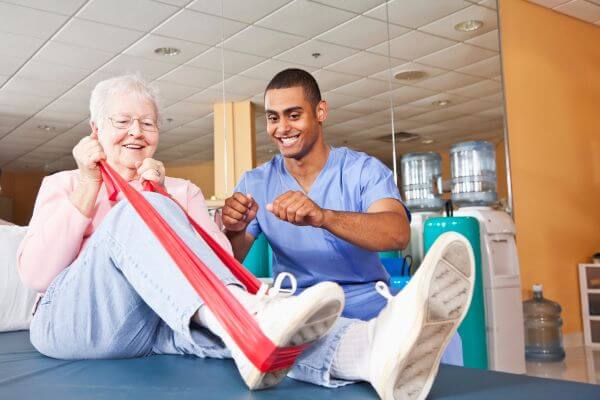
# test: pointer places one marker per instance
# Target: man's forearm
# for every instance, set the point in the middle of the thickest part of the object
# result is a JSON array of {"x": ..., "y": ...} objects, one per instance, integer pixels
[
  {"x": 240, "y": 242},
  {"x": 378, "y": 231}
]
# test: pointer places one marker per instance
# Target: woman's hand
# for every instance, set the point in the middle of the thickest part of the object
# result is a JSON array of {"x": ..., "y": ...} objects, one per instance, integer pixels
[
  {"x": 87, "y": 154},
  {"x": 151, "y": 170}
]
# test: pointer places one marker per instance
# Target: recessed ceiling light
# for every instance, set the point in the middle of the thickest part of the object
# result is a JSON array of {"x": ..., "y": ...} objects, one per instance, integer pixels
[
  {"x": 316, "y": 55},
  {"x": 409, "y": 75},
  {"x": 47, "y": 128},
  {"x": 469, "y": 26},
  {"x": 427, "y": 141},
  {"x": 167, "y": 51},
  {"x": 440, "y": 103}
]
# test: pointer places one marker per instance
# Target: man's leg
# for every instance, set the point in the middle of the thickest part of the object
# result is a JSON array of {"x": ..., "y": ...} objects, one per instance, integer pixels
[
  {"x": 365, "y": 303},
  {"x": 401, "y": 348}
]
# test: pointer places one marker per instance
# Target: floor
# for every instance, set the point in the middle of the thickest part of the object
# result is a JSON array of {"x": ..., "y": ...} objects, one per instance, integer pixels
[{"x": 581, "y": 364}]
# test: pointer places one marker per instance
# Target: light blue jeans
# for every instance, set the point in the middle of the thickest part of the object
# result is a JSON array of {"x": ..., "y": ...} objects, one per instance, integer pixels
[{"x": 124, "y": 297}]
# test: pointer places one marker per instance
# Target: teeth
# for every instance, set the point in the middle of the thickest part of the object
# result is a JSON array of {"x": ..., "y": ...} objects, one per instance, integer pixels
[
  {"x": 289, "y": 140},
  {"x": 131, "y": 146}
]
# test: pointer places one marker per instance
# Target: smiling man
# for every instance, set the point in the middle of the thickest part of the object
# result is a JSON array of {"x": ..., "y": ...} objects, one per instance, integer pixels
[{"x": 325, "y": 211}]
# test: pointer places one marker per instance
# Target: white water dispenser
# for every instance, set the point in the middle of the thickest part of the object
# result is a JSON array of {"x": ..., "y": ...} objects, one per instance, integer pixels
[{"x": 473, "y": 169}]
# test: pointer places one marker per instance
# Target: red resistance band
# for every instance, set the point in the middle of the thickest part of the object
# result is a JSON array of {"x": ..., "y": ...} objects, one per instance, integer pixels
[{"x": 236, "y": 320}]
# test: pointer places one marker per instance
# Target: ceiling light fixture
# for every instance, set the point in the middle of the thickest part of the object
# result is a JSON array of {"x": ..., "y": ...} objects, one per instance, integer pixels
[
  {"x": 410, "y": 75},
  {"x": 469, "y": 26},
  {"x": 167, "y": 51},
  {"x": 47, "y": 128},
  {"x": 440, "y": 103},
  {"x": 316, "y": 55}
]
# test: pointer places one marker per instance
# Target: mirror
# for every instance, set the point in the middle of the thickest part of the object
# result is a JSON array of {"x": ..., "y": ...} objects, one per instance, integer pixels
[{"x": 444, "y": 57}]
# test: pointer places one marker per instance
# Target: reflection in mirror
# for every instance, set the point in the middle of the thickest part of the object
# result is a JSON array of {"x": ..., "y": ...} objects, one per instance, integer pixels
[
  {"x": 446, "y": 84},
  {"x": 445, "y": 75}
]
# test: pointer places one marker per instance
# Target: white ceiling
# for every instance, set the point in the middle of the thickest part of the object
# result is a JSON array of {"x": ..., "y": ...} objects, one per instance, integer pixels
[
  {"x": 55, "y": 52},
  {"x": 585, "y": 10}
]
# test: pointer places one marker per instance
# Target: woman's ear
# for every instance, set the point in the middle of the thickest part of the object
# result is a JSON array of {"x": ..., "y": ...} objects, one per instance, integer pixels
[{"x": 94, "y": 127}]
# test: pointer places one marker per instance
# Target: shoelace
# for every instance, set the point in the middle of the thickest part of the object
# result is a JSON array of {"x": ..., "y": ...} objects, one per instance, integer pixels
[
  {"x": 266, "y": 294},
  {"x": 383, "y": 289}
]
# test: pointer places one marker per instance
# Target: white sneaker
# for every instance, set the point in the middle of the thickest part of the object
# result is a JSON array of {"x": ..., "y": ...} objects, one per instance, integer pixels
[
  {"x": 290, "y": 321},
  {"x": 410, "y": 334}
]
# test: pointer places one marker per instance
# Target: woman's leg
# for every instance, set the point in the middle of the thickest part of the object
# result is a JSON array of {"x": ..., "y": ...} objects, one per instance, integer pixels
[
  {"x": 112, "y": 299},
  {"x": 124, "y": 249}
]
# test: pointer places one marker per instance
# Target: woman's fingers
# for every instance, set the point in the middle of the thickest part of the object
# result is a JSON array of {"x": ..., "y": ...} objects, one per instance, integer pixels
[{"x": 151, "y": 170}]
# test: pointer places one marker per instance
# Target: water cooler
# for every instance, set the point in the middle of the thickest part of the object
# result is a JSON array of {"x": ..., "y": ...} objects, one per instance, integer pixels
[
  {"x": 421, "y": 188},
  {"x": 473, "y": 173}
]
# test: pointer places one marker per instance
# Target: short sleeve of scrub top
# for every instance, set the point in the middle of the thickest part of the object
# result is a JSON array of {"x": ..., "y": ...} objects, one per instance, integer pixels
[{"x": 377, "y": 183}]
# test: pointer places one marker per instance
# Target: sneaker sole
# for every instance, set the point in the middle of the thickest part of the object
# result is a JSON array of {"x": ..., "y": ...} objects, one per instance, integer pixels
[
  {"x": 449, "y": 295},
  {"x": 306, "y": 329}
]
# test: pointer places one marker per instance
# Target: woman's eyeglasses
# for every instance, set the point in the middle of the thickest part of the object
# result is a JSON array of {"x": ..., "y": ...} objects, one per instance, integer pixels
[{"x": 124, "y": 122}]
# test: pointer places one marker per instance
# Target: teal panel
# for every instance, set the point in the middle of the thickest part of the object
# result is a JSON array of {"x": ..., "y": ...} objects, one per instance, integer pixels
[
  {"x": 388, "y": 254},
  {"x": 257, "y": 260},
  {"x": 270, "y": 256},
  {"x": 472, "y": 330}
]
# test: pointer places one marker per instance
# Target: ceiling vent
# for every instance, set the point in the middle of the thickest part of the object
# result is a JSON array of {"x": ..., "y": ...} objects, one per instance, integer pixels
[{"x": 400, "y": 137}]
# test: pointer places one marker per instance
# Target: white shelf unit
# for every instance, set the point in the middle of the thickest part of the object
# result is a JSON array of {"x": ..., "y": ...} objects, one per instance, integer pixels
[{"x": 589, "y": 286}]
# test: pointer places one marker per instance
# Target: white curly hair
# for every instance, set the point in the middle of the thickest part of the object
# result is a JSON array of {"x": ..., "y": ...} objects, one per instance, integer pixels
[{"x": 129, "y": 83}]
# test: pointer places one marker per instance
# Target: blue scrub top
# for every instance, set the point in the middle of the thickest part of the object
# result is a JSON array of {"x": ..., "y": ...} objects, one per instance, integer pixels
[{"x": 350, "y": 181}]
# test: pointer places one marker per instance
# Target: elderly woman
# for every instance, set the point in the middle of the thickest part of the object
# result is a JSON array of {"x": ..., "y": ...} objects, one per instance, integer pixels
[{"x": 110, "y": 290}]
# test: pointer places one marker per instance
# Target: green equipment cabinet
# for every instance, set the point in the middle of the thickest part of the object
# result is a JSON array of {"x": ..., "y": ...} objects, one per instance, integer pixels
[{"x": 472, "y": 330}]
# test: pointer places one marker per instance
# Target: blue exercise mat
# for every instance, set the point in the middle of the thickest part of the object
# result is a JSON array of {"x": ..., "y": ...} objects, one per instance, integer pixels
[{"x": 27, "y": 375}]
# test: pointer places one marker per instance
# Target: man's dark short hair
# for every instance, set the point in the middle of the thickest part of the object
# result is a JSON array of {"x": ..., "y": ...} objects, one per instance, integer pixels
[{"x": 295, "y": 77}]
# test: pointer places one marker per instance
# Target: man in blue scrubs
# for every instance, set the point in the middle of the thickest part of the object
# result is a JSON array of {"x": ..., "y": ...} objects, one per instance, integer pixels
[{"x": 325, "y": 211}]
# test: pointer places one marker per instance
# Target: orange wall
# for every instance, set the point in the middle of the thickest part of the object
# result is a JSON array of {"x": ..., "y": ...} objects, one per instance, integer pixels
[
  {"x": 22, "y": 187},
  {"x": 552, "y": 83},
  {"x": 202, "y": 174}
]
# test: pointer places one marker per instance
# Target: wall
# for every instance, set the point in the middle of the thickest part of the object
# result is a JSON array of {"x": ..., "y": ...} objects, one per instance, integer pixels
[
  {"x": 552, "y": 83},
  {"x": 22, "y": 187},
  {"x": 202, "y": 174}
]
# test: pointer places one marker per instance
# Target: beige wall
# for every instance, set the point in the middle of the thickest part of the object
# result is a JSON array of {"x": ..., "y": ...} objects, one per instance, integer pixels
[
  {"x": 203, "y": 175},
  {"x": 552, "y": 83}
]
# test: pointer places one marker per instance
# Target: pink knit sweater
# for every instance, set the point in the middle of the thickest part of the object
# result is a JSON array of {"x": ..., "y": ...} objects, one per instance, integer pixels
[{"x": 58, "y": 231}]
